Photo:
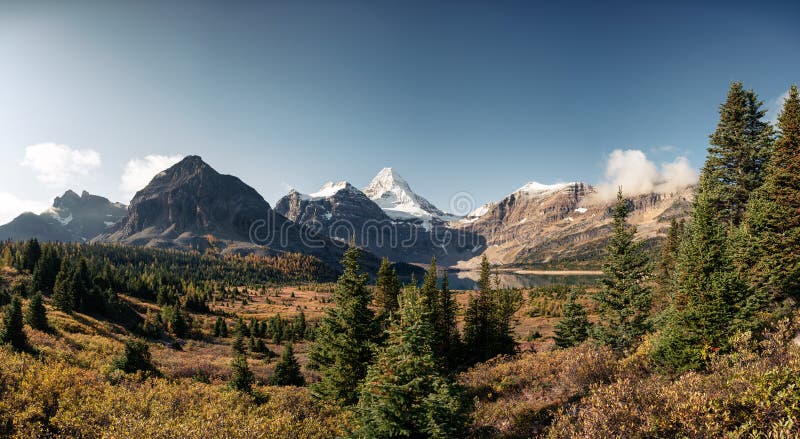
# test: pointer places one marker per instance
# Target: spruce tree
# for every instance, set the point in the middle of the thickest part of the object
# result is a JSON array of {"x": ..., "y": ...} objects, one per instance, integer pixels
[
  {"x": 135, "y": 357},
  {"x": 36, "y": 314},
  {"x": 404, "y": 395},
  {"x": 739, "y": 151},
  {"x": 477, "y": 318},
  {"x": 31, "y": 253},
  {"x": 238, "y": 345},
  {"x": 11, "y": 333},
  {"x": 344, "y": 340},
  {"x": 710, "y": 300},
  {"x": 669, "y": 260},
  {"x": 45, "y": 272},
  {"x": 287, "y": 371},
  {"x": 573, "y": 328},
  {"x": 387, "y": 287},
  {"x": 770, "y": 246},
  {"x": 624, "y": 299},
  {"x": 220, "y": 328},
  {"x": 241, "y": 377},
  {"x": 447, "y": 343},
  {"x": 488, "y": 319}
]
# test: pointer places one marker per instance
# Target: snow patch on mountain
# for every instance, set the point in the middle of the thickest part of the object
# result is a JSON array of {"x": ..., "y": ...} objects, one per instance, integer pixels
[
  {"x": 329, "y": 189},
  {"x": 539, "y": 188},
  {"x": 56, "y": 214}
]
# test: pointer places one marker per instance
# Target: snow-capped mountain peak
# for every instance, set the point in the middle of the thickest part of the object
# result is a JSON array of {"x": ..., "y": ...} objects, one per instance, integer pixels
[
  {"x": 330, "y": 189},
  {"x": 394, "y": 195}
]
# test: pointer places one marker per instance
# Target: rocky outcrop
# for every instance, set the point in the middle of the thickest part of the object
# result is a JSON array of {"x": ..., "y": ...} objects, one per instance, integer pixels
[
  {"x": 72, "y": 217},
  {"x": 342, "y": 212},
  {"x": 567, "y": 223},
  {"x": 192, "y": 206}
]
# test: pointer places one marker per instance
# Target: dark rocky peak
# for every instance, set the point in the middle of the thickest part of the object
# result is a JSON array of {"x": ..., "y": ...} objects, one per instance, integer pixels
[{"x": 71, "y": 201}]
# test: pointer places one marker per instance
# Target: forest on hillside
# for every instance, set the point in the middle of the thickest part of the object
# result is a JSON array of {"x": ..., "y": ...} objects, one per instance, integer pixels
[{"x": 117, "y": 341}]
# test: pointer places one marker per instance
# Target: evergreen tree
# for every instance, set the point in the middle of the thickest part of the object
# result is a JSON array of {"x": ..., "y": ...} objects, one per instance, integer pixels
[
  {"x": 624, "y": 299},
  {"x": 36, "y": 314},
  {"x": 477, "y": 318},
  {"x": 387, "y": 288},
  {"x": 67, "y": 288},
  {"x": 299, "y": 325},
  {"x": 135, "y": 357},
  {"x": 220, "y": 328},
  {"x": 739, "y": 151},
  {"x": 343, "y": 345},
  {"x": 447, "y": 342},
  {"x": 573, "y": 328},
  {"x": 45, "y": 272},
  {"x": 404, "y": 395},
  {"x": 287, "y": 371},
  {"x": 241, "y": 377},
  {"x": 241, "y": 328},
  {"x": 30, "y": 255},
  {"x": 177, "y": 323},
  {"x": 238, "y": 345},
  {"x": 11, "y": 333},
  {"x": 710, "y": 300},
  {"x": 770, "y": 245},
  {"x": 487, "y": 320},
  {"x": 669, "y": 259}
]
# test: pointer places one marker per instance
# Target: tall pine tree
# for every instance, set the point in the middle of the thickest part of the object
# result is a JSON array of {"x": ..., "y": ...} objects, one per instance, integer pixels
[
  {"x": 624, "y": 298},
  {"x": 344, "y": 342},
  {"x": 11, "y": 332},
  {"x": 711, "y": 299},
  {"x": 771, "y": 245},
  {"x": 36, "y": 314},
  {"x": 45, "y": 272},
  {"x": 387, "y": 287},
  {"x": 739, "y": 151},
  {"x": 404, "y": 394},
  {"x": 488, "y": 318}
]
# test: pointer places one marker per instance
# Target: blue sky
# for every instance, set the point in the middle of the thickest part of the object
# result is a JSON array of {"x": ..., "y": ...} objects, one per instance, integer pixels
[{"x": 456, "y": 96}]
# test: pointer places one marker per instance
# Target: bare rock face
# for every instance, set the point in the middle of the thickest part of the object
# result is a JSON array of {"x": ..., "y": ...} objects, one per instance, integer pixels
[
  {"x": 404, "y": 229},
  {"x": 72, "y": 217},
  {"x": 192, "y": 206},
  {"x": 90, "y": 214},
  {"x": 566, "y": 223}
]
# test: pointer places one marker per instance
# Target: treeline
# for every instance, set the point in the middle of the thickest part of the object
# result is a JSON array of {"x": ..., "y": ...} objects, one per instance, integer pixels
[
  {"x": 733, "y": 267},
  {"x": 85, "y": 277}
]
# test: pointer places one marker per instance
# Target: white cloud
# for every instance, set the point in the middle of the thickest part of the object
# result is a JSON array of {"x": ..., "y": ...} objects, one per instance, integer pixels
[
  {"x": 636, "y": 174},
  {"x": 775, "y": 106},
  {"x": 139, "y": 172},
  {"x": 11, "y": 206},
  {"x": 57, "y": 165}
]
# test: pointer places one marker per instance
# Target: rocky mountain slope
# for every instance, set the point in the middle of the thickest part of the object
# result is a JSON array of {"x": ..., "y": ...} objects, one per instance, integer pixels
[
  {"x": 72, "y": 217},
  {"x": 564, "y": 224},
  {"x": 192, "y": 206},
  {"x": 400, "y": 225}
]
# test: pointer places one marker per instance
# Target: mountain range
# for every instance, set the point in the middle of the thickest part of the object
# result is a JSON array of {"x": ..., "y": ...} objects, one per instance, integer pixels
[
  {"x": 72, "y": 217},
  {"x": 192, "y": 206}
]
